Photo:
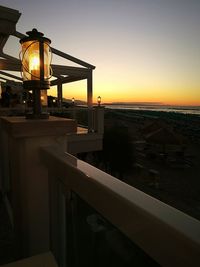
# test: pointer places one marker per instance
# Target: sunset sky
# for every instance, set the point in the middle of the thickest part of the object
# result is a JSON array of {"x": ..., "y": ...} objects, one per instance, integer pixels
[{"x": 143, "y": 50}]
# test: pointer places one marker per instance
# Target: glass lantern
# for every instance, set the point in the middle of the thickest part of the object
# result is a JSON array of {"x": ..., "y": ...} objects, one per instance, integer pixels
[{"x": 36, "y": 60}]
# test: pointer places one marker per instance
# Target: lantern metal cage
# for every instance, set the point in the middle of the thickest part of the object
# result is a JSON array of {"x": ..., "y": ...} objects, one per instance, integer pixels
[{"x": 36, "y": 59}]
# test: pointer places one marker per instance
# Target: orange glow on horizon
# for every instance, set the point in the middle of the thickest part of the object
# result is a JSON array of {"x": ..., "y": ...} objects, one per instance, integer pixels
[
  {"x": 125, "y": 88},
  {"x": 164, "y": 97}
]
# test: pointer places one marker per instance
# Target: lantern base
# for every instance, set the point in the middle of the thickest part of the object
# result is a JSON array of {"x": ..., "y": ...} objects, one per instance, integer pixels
[
  {"x": 41, "y": 116},
  {"x": 36, "y": 85}
]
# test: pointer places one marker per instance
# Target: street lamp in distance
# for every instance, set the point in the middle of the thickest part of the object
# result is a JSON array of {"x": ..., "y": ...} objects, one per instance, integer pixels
[{"x": 99, "y": 101}]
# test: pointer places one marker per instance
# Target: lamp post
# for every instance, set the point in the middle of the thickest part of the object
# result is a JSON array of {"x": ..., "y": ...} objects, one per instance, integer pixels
[
  {"x": 73, "y": 101},
  {"x": 99, "y": 101},
  {"x": 36, "y": 61},
  {"x": 73, "y": 108}
]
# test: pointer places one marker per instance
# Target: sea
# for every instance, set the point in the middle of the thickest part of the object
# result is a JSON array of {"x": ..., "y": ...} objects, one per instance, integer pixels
[{"x": 166, "y": 108}]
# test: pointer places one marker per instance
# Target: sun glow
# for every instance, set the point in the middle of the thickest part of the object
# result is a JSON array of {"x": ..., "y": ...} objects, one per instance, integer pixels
[{"x": 127, "y": 93}]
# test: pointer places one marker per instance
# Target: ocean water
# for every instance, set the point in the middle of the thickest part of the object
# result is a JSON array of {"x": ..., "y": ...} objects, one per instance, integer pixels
[{"x": 176, "y": 109}]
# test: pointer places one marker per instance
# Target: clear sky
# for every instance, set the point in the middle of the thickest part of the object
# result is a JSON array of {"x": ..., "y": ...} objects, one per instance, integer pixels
[{"x": 143, "y": 50}]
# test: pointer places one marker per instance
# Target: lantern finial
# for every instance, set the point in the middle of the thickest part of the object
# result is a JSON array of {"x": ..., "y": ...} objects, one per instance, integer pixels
[{"x": 34, "y": 33}]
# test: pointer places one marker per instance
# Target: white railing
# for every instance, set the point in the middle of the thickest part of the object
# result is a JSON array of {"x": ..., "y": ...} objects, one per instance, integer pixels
[
  {"x": 90, "y": 118},
  {"x": 168, "y": 236}
]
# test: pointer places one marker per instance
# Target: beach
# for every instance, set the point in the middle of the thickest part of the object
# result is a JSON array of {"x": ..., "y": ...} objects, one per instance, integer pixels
[{"x": 173, "y": 175}]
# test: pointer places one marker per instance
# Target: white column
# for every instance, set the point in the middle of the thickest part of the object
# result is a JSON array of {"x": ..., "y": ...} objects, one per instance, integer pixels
[
  {"x": 99, "y": 120},
  {"x": 89, "y": 101}
]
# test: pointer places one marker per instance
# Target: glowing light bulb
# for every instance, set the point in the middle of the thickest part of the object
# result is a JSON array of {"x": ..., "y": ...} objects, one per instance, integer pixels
[{"x": 34, "y": 67}]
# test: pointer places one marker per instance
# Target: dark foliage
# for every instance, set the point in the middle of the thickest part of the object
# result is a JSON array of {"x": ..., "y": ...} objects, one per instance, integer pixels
[{"x": 117, "y": 154}]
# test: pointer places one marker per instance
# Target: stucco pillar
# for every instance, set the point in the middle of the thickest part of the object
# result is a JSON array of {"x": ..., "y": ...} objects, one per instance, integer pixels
[
  {"x": 28, "y": 177},
  {"x": 99, "y": 120}
]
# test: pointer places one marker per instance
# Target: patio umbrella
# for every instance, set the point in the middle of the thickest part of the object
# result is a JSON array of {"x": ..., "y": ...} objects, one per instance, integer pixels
[
  {"x": 164, "y": 136},
  {"x": 153, "y": 126}
]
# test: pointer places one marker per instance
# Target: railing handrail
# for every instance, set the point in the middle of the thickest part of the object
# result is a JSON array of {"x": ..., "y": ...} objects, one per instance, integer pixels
[
  {"x": 169, "y": 236},
  {"x": 97, "y": 115},
  {"x": 70, "y": 108}
]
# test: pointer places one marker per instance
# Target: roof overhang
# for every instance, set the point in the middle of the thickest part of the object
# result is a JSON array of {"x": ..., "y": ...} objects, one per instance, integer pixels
[{"x": 61, "y": 73}]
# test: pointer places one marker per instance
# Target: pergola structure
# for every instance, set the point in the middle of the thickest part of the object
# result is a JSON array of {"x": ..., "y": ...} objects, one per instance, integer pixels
[{"x": 62, "y": 74}]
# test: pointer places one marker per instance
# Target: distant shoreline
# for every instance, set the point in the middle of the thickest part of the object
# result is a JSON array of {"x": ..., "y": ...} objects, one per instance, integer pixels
[
  {"x": 194, "y": 110},
  {"x": 157, "y": 104}
]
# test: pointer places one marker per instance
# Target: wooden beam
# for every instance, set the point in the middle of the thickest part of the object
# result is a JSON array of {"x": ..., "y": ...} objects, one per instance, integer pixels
[
  {"x": 15, "y": 65},
  {"x": 10, "y": 76},
  {"x": 62, "y": 54},
  {"x": 1, "y": 78},
  {"x": 19, "y": 35},
  {"x": 73, "y": 59},
  {"x": 69, "y": 70},
  {"x": 67, "y": 80},
  {"x": 3, "y": 40},
  {"x": 12, "y": 65}
]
